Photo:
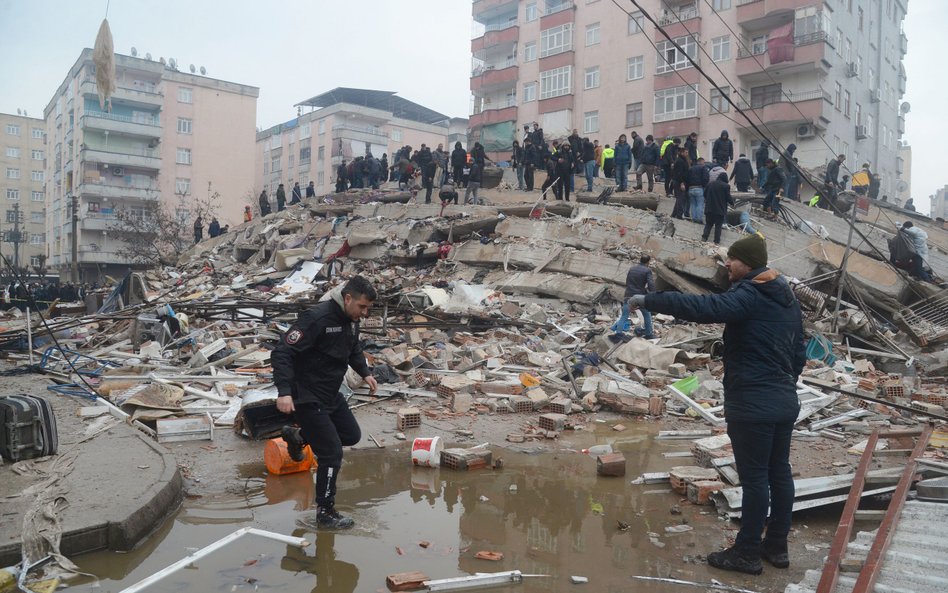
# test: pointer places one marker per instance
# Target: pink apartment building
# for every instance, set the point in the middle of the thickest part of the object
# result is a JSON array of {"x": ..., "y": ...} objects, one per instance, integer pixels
[
  {"x": 169, "y": 136},
  {"x": 343, "y": 123},
  {"x": 605, "y": 70}
]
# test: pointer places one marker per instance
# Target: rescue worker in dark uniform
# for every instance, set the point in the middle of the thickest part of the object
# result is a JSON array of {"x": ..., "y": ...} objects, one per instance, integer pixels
[{"x": 309, "y": 365}]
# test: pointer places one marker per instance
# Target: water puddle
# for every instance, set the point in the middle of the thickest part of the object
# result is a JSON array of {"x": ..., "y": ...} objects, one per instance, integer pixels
[{"x": 547, "y": 513}]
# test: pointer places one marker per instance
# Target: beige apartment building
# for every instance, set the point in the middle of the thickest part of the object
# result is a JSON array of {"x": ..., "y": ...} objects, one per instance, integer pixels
[
  {"x": 834, "y": 86},
  {"x": 344, "y": 123},
  {"x": 168, "y": 137},
  {"x": 22, "y": 161}
]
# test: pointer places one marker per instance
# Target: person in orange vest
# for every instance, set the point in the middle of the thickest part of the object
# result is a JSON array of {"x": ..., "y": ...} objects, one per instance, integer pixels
[{"x": 248, "y": 214}]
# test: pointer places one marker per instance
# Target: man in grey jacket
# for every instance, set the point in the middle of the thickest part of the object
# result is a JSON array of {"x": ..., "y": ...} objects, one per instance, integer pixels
[{"x": 638, "y": 281}]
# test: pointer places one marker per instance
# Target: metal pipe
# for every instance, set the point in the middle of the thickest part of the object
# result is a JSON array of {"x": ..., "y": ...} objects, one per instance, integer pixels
[
  {"x": 29, "y": 334},
  {"x": 213, "y": 547},
  {"x": 842, "y": 269}
]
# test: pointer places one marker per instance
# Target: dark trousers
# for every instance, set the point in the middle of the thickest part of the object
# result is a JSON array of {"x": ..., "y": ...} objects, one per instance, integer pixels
[
  {"x": 528, "y": 177},
  {"x": 327, "y": 429},
  {"x": 458, "y": 176},
  {"x": 772, "y": 202},
  {"x": 666, "y": 173},
  {"x": 713, "y": 220},
  {"x": 681, "y": 201},
  {"x": 743, "y": 185},
  {"x": 429, "y": 186},
  {"x": 762, "y": 455},
  {"x": 550, "y": 180}
]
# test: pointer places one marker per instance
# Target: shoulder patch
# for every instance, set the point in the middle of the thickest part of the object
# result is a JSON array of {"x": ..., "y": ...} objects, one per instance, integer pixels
[{"x": 293, "y": 336}]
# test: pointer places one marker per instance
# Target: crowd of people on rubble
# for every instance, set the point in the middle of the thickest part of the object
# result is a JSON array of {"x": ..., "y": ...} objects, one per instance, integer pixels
[{"x": 17, "y": 294}]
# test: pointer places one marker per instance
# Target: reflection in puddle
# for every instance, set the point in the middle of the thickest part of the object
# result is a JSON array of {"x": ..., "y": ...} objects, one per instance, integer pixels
[{"x": 547, "y": 513}]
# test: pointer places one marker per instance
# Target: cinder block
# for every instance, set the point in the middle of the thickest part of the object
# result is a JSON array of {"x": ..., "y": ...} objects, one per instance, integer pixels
[
  {"x": 683, "y": 475},
  {"x": 560, "y": 405},
  {"x": 553, "y": 422},
  {"x": 677, "y": 370},
  {"x": 610, "y": 464},
  {"x": 408, "y": 418},
  {"x": 521, "y": 405},
  {"x": 699, "y": 492},
  {"x": 465, "y": 459}
]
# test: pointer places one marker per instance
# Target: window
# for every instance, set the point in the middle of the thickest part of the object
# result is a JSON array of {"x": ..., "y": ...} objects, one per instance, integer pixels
[
  {"x": 720, "y": 4},
  {"x": 13, "y": 194},
  {"x": 529, "y": 92},
  {"x": 592, "y": 34},
  {"x": 11, "y": 215},
  {"x": 808, "y": 22},
  {"x": 861, "y": 17},
  {"x": 305, "y": 130},
  {"x": 275, "y": 166},
  {"x": 183, "y": 156},
  {"x": 320, "y": 178},
  {"x": 676, "y": 103},
  {"x": 636, "y": 23},
  {"x": 885, "y": 135},
  {"x": 37, "y": 238},
  {"x": 182, "y": 186},
  {"x": 530, "y": 51},
  {"x": 37, "y": 155},
  {"x": 35, "y": 261},
  {"x": 37, "y": 175},
  {"x": 721, "y": 48},
  {"x": 37, "y": 196},
  {"x": 185, "y": 95},
  {"x": 291, "y": 160},
  {"x": 13, "y": 129},
  {"x": 858, "y": 65},
  {"x": 13, "y": 173},
  {"x": 184, "y": 125},
  {"x": 636, "y": 68},
  {"x": 669, "y": 58},
  {"x": 759, "y": 44},
  {"x": 556, "y": 82},
  {"x": 396, "y": 134},
  {"x": 321, "y": 128},
  {"x": 320, "y": 153},
  {"x": 847, "y": 101},
  {"x": 838, "y": 97},
  {"x": 839, "y": 41},
  {"x": 848, "y": 52},
  {"x": 872, "y": 79},
  {"x": 13, "y": 152},
  {"x": 36, "y": 217},
  {"x": 531, "y": 13},
  {"x": 718, "y": 103},
  {"x": 37, "y": 133},
  {"x": 858, "y": 114},
  {"x": 590, "y": 122},
  {"x": 633, "y": 115},
  {"x": 556, "y": 40},
  {"x": 305, "y": 154},
  {"x": 592, "y": 78},
  {"x": 765, "y": 95},
  {"x": 869, "y": 124}
]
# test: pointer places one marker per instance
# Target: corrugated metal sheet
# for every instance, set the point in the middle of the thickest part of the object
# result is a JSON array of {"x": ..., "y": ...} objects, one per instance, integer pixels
[{"x": 917, "y": 559}]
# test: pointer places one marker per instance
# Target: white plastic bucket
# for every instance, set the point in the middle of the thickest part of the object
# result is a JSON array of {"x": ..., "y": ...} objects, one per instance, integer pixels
[{"x": 426, "y": 451}]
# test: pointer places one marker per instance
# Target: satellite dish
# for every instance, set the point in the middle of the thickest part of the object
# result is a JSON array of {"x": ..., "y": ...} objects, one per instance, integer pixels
[
  {"x": 203, "y": 70},
  {"x": 162, "y": 61},
  {"x": 902, "y": 186},
  {"x": 192, "y": 68},
  {"x": 173, "y": 63},
  {"x": 25, "y": 114},
  {"x": 18, "y": 112},
  {"x": 148, "y": 57},
  {"x": 905, "y": 107},
  {"x": 134, "y": 53}
]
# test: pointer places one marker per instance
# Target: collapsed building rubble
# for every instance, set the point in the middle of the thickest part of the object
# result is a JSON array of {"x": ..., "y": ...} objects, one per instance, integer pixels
[{"x": 506, "y": 309}]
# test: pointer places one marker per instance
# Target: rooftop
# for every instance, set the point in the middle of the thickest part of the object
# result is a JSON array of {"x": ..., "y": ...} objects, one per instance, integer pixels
[{"x": 382, "y": 100}]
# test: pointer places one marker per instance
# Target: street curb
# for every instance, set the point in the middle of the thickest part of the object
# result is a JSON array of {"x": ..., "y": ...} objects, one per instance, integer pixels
[{"x": 121, "y": 533}]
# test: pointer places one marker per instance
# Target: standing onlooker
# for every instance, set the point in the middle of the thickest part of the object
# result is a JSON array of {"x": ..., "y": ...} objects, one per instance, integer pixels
[
  {"x": 717, "y": 197},
  {"x": 679, "y": 181},
  {"x": 691, "y": 144},
  {"x": 428, "y": 177},
  {"x": 773, "y": 187},
  {"x": 764, "y": 354},
  {"x": 874, "y": 183},
  {"x": 638, "y": 145},
  {"x": 474, "y": 182},
  {"x": 598, "y": 151},
  {"x": 589, "y": 162},
  {"x": 760, "y": 159},
  {"x": 669, "y": 155},
  {"x": 281, "y": 198},
  {"x": 722, "y": 151},
  {"x": 576, "y": 149},
  {"x": 623, "y": 160},
  {"x": 458, "y": 161},
  {"x": 564, "y": 170},
  {"x": 214, "y": 229},
  {"x": 608, "y": 162},
  {"x": 648, "y": 164},
  {"x": 248, "y": 214},
  {"x": 698, "y": 178},
  {"x": 342, "y": 172},
  {"x": 297, "y": 194},
  {"x": 529, "y": 162},
  {"x": 743, "y": 173},
  {"x": 516, "y": 161},
  {"x": 792, "y": 187},
  {"x": 264, "y": 203},
  {"x": 198, "y": 230},
  {"x": 310, "y": 190}
]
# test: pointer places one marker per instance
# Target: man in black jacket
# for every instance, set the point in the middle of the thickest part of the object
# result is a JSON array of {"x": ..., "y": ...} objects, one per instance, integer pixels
[
  {"x": 773, "y": 187},
  {"x": 309, "y": 365},
  {"x": 717, "y": 196},
  {"x": 722, "y": 151},
  {"x": 638, "y": 146},
  {"x": 691, "y": 143},
  {"x": 743, "y": 173},
  {"x": 458, "y": 161},
  {"x": 698, "y": 178},
  {"x": 589, "y": 162},
  {"x": 516, "y": 161},
  {"x": 639, "y": 280},
  {"x": 679, "y": 182},
  {"x": 764, "y": 355},
  {"x": 648, "y": 163},
  {"x": 529, "y": 162},
  {"x": 760, "y": 159}
]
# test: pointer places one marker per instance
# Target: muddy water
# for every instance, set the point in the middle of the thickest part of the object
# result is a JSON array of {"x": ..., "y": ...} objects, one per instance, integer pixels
[{"x": 548, "y": 513}]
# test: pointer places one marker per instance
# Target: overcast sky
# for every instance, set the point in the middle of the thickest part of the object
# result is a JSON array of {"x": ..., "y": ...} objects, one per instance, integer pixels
[{"x": 295, "y": 49}]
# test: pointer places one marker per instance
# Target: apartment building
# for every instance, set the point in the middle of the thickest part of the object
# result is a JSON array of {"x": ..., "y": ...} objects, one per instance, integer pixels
[
  {"x": 939, "y": 204},
  {"x": 344, "y": 123},
  {"x": 167, "y": 137},
  {"x": 23, "y": 164},
  {"x": 824, "y": 75}
]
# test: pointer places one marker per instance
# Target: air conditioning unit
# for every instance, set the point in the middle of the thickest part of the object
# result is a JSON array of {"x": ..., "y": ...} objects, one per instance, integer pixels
[
  {"x": 852, "y": 70},
  {"x": 118, "y": 171},
  {"x": 806, "y": 131},
  {"x": 861, "y": 133},
  {"x": 875, "y": 95}
]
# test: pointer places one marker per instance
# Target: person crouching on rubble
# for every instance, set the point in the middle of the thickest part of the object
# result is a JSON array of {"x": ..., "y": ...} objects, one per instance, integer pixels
[
  {"x": 763, "y": 356},
  {"x": 309, "y": 365}
]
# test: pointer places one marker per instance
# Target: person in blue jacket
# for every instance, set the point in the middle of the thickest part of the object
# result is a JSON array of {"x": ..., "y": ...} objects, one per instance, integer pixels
[{"x": 764, "y": 354}]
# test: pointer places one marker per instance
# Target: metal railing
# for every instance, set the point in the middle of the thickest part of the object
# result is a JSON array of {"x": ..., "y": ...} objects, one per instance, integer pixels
[
  {"x": 145, "y": 152},
  {"x": 361, "y": 129},
  {"x": 498, "y": 27},
  {"x": 806, "y": 39},
  {"x": 683, "y": 14},
  {"x": 779, "y": 96},
  {"x": 122, "y": 118},
  {"x": 743, "y": 2},
  {"x": 509, "y": 63},
  {"x": 555, "y": 8}
]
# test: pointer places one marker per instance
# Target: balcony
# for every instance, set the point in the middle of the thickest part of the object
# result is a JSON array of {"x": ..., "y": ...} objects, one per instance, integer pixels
[
  {"x": 809, "y": 54},
  {"x": 120, "y": 124},
  {"x": 903, "y": 43},
  {"x": 553, "y": 8},
  {"x": 488, "y": 10},
  {"x": 361, "y": 133},
  {"x": 493, "y": 116},
  {"x": 757, "y": 15},
  {"x": 97, "y": 221},
  {"x": 492, "y": 79},
  {"x": 502, "y": 36},
  {"x": 127, "y": 95},
  {"x": 143, "y": 158},
  {"x": 900, "y": 125},
  {"x": 682, "y": 14},
  {"x": 794, "y": 108},
  {"x": 89, "y": 254},
  {"x": 117, "y": 191}
]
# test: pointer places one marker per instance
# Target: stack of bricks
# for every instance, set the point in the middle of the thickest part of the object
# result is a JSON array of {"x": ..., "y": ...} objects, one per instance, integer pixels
[
  {"x": 699, "y": 491},
  {"x": 683, "y": 475}
]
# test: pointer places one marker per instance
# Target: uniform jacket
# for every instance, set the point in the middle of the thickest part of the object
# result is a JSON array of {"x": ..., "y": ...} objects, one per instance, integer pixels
[
  {"x": 311, "y": 359},
  {"x": 764, "y": 351}
]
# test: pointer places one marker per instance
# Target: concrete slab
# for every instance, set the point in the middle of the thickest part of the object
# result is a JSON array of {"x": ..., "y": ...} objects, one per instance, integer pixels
[{"x": 121, "y": 487}]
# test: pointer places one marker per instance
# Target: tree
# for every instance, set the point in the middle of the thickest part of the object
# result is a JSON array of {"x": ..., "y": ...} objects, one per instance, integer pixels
[{"x": 157, "y": 234}]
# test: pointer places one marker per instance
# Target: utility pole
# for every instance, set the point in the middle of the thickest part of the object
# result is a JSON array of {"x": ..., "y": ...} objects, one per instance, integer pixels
[
  {"x": 75, "y": 238},
  {"x": 842, "y": 267},
  {"x": 16, "y": 236}
]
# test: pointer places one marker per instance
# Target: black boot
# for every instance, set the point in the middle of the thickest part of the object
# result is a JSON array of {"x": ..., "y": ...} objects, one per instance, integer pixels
[
  {"x": 775, "y": 552},
  {"x": 737, "y": 558},
  {"x": 329, "y": 518},
  {"x": 294, "y": 442}
]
